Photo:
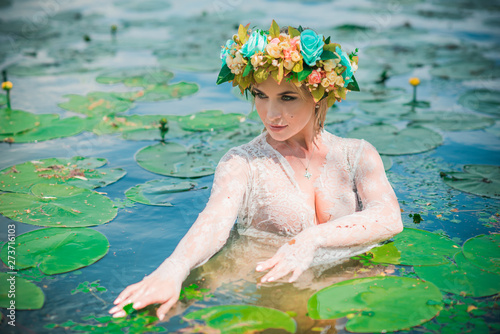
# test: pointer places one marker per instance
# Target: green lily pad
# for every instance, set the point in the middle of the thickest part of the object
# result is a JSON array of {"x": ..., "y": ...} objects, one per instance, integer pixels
[
  {"x": 75, "y": 171},
  {"x": 14, "y": 121},
  {"x": 59, "y": 206},
  {"x": 335, "y": 117},
  {"x": 458, "y": 70},
  {"x": 450, "y": 121},
  {"x": 136, "y": 77},
  {"x": 114, "y": 123},
  {"x": 168, "y": 92},
  {"x": 416, "y": 248},
  {"x": 50, "y": 127},
  {"x": 387, "y": 161},
  {"x": 482, "y": 180},
  {"x": 174, "y": 131},
  {"x": 483, "y": 251},
  {"x": 482, "y": 100},
  {"x": 391, "y": 141},
  {"x": 378, "y": 93},
  {"x": 210, "y": 120},
  {"x": 174, "y": 159},
  {"x": 461, "y": 277},
  {"x": 377, "y": 304},
  {"x": 27, "y": 295},
  {"x": 58, "y": 250},
  {"x": 232, "y": 319},
  {"x": 96, "y": 104},
  {"x": 158, "y": 192}
]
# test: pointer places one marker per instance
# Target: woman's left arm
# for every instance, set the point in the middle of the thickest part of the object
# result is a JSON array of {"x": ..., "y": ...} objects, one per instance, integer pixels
[{"x": 380, "y": 219}]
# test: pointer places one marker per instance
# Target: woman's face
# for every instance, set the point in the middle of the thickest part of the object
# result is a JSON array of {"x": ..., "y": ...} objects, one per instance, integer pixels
[{"x": 282, "y": 110}]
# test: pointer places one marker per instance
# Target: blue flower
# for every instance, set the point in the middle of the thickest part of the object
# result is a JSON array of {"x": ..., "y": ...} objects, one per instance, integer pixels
[
  {"x": 225, "y": 50},
  {"x": 345, "y": 61},
  {"x": 255, "y": 43},
  {"x": 311, "y": 46}
]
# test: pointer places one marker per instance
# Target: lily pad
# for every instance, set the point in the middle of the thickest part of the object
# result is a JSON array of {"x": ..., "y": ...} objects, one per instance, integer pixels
[
  {"x": 158, "y": 192},
  {"x": 59, "y": 206},
  {"x": 450, "y": 121},
  {"x": 49, "y": 127},
  {"x": 232, "y": 319},
  {"x": 482, "y": 100},
  {"x": 58, "y": 250},
  {"x": 483, "y": 251},
  {"x": 391, "y": 141},
  {"x": 136, "y": 77},
  {"x": 174, "y": 159},
  {"x": 14, "y": 121},
  {"x": 417, "y": 248},
  {"x": 482, "y": 180},
  {"x": 458, "y": 70},
  {"x": 335, "y": 117},
  {"x": 377, "y": 304},
  {"x": 378, "y": 93},
  {"x": 387, "y": 108},
  {"x": 210, "y": 120},
  {"x": 174, "y": 131},
  {"x": 27, "y": 295},
  {"x": 96, "y": 104},
  {"x": 461, "y": 277},
  {"x": 113, "y": 123},
  {"x": 169, "y": 92},
  {"x": 75, "y": 171},
  {"x": 387, "y": 161}
]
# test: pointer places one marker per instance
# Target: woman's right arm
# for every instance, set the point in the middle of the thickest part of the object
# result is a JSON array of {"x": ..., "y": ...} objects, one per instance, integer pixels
[{"x": 207, "y": 235}]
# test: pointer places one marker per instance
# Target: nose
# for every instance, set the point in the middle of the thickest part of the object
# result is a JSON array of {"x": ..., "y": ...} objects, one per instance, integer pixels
[{"x": 273, "y": 112}]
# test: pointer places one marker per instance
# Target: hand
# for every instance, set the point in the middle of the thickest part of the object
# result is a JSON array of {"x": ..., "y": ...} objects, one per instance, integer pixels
[
  {"x": 162, "y": 286},
  {"x": 295, "y": 256}
]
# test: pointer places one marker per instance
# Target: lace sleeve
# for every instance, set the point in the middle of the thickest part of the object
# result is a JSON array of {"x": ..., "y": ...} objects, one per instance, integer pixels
[
  {"x": 213, "y": 225},
  {"x": 380, "y": 217}
]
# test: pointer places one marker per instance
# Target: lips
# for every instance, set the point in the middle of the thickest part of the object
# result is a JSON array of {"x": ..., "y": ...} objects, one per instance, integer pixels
[{"x": 277, "y": 127}]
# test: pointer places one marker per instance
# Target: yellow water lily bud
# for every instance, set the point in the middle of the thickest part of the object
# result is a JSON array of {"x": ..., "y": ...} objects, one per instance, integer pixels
[
  {"x": 414, "y": 81},
  {"x": 6, "y": 85}
]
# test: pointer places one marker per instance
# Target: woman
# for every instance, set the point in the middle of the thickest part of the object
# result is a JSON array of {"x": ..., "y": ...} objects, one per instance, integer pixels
[{"x": 326, "y": 196}]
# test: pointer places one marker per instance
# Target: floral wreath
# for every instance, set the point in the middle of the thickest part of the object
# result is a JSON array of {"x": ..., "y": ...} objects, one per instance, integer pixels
[{"x": 301, "y": 56}]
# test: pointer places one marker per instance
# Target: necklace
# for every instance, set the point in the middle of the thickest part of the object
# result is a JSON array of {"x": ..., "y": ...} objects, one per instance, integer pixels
[{"x": 306, "y": 174}]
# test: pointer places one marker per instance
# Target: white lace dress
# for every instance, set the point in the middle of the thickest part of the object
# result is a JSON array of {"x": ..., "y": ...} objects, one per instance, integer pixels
[{"x": 256, "y": 186}]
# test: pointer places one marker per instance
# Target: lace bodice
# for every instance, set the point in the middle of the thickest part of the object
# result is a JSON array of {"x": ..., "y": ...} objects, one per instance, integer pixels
[{"x": 257, "y": 187}]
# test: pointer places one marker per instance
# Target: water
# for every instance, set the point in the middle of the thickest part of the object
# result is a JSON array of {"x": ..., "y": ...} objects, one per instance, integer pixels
[{"x": 141, "y": 237}]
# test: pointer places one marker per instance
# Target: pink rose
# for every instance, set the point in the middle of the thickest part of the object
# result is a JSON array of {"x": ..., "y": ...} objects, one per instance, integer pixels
[
  {"x": 295, "y": 41},
  {"x": 275, "y": 40},
  {"x": 314, "y": 77}
]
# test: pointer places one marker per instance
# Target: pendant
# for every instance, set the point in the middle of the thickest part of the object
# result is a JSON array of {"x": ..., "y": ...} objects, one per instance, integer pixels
[{"x": 307, "y": 174}]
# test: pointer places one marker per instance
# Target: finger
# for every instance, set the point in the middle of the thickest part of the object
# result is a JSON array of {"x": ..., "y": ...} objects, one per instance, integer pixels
[
  {"x": 163, "y": 309},
  {"x": 269, "y": 263},
  {"x": 276, "y": 273},
  {"x": 295, "y": 275},
  {"x": 132, "y": 298},
  {"x": 126, "y": 293}
]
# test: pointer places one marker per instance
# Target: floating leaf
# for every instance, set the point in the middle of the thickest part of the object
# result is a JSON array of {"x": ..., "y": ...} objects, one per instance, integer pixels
[
  {"x": 14, "y": 121},
  {"x": 75, "y": 171},
  {"x": 173, "y": 159},
  {"x": 456, "y": 70},
  {"x": 450, "y": 121},
  {"x": 461, "y": 277},
  {"x": 58, "y": 206},
  {"x": 482, "y": 180},
  {"x": 113, "y": 123},
  {"x": 378, "y": 93},
  {"x": 27, "y": 295},
  {"x": 136, "y": 77},
  {"x": 49, "y": 128},
  {"x": 96, "y": 104},
  {"x": 390, "y": 141},
  {"x": 387, "y": 161},
  {"x": 387, "y": 108},
  {"x": 483, "y": 251},
  {"x": 160, "y": 92},
  {"x": 377, "y": 304},
  {"x": 416, "y": 247},
  {"x": 158, "y": 192},
  {"x": 210, "y": 120},
  {"x": 482, "y": 100},
  {"x": 193, "y": 291},
  {"x": 58, "y": 250},
  {"x": 233, "y": 319}
]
